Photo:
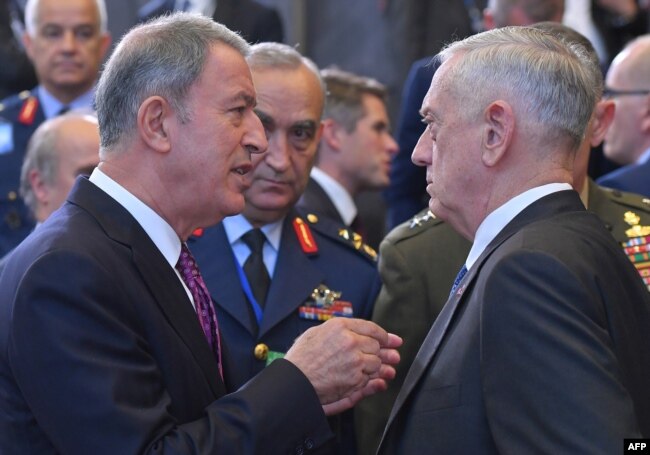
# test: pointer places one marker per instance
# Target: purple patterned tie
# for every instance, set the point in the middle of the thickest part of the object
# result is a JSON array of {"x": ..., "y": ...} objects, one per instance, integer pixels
[{"x": 189, "y": 271}]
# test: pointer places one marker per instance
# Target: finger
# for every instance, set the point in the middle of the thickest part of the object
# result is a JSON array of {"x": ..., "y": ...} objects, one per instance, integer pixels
[
  {"x": 394, "y": 341},
  {"x": 389, "y": 356},
  {"x": 368, "y": 328},
  {"x": 373, "y": 386}
]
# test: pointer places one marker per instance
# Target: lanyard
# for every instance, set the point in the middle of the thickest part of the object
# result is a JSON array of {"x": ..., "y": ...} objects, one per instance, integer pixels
[{"x": 246, "y": 287}]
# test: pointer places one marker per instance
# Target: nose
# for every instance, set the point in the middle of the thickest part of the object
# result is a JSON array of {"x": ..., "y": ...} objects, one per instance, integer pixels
[
  {"x": 391, "y": 145},
  {"x": 423, "y": 149},
  {"x": 68, "y": 41},
  {"x": 278, "y": 156},
  {"x": 254, "y": 141}
]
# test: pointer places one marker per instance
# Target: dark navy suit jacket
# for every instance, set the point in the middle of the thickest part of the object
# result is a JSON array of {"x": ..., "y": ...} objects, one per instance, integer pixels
[
  {"x": 539, "y": 349},
  {"x": 634, "y": 178},
  {"x": 15, "y": 221},
  {"x": 407, "y": 194},
  {"x": 101, "y": 352}
]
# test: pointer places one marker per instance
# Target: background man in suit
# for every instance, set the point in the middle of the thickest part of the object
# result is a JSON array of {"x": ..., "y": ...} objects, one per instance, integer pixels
[
  {"x": 252, "y": 20},
  {"x": 355, "y": 149},
  {"x": 419, "y": 259},
  {"x": 66, "y": 40},
  {"x": 264, "y": 309},
  {"x": 628, "y": 140},
  {"x": 547, "y": 312},
  {"x": 102, "y": 350},
  {"x": 405, "y": 195}
]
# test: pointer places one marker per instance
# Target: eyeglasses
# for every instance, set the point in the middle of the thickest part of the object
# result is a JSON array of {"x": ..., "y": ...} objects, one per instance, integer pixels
[{"x": 613, "y": 93}]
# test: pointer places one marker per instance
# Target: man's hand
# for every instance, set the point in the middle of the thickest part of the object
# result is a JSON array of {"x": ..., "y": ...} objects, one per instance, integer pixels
[{"x": 345, "y": 360}]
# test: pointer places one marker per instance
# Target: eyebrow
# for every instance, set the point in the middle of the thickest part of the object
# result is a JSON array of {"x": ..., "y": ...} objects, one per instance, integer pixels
[
  {"x": 248, "y": 99},
  {"x": 307, "y": 124},
  {"x": 265, "y": 118}
]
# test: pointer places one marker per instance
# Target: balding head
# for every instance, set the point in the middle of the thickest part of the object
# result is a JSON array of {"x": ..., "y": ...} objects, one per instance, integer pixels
[{"x": 58, "y": 151}]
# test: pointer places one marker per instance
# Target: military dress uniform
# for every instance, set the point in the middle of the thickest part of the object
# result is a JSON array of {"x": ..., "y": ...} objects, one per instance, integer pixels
[
  {"x": 20, "y": 115},
  {"x": 418, "y": 262},
  {"x": 315, "y": 256}
]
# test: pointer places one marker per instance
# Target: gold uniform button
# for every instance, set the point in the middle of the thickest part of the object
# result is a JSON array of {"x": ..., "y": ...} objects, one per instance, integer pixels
[
  {"x": 312, "y": 218},
  {"x": 261, "y": 351},
  {"x": 12, "y": 196}
]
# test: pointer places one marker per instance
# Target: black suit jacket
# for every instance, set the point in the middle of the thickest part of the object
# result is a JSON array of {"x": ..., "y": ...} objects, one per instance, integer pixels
[
  {"x": 101, "y": 352},
  {"x": 539, "y": 349}
]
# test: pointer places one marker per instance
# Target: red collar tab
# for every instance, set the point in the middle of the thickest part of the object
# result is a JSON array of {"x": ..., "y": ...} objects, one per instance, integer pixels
[
  {"x": 28, "y": 111},
  {"x": 305, "y": 237}
]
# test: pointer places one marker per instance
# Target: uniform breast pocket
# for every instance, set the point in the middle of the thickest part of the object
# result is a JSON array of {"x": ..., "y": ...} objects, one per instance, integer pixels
[{"x": 435, "y": 398}]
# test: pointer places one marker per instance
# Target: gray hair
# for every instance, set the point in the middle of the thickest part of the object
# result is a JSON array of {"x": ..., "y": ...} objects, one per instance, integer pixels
[
  {"x": 41, "y": 155},
  {"x": 281, "y": 56},
  {"x": 164, "y": 57},
  {"x": 345, "y": 93},
  {"x": 548, "y": 81},
  {"x": 32, "y": 10},
  {"x": 535, "y": 10}
]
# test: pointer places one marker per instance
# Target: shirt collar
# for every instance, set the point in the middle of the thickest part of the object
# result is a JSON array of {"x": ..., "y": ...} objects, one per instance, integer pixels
[
  {"x": 160, "y": 232},
  {"x": 52, "y": 106},
  {"x": 339, "y": 196},
  {"x": 645, "y": 156},
  {"x": 499, "y": 218},
  {"x": 236, "y": 226}
]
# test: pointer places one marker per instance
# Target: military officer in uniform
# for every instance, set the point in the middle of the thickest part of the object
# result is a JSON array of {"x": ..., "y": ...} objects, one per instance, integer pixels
[
  {"x": 66, "y": 40},
  {"x": 419, "y": 259},
  {"x": 275, "y": 272}
]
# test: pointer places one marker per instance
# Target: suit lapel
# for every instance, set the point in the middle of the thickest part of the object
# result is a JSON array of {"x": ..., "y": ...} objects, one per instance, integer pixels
[
  {"x": 294, "y": 279},
  {"x": 159, "y": 277},
  {"x": 221, "y": 276}
]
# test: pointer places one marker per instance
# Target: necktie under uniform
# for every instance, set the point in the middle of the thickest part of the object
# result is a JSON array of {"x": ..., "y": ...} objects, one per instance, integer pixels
[
  {"x": 205, "y": 310},
  {"x": 254, "y": 268},
  {"x": 459, "y": 278}
]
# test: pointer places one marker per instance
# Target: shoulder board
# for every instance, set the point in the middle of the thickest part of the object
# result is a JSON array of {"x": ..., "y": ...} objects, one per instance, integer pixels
[
  {"x": 342, "y": 234},
  {"x": 419, "y": 223},
  {"x": 28, "y": 111},
  {"x": 631, "y": 200},
  {"x": 305, "y": 236}
]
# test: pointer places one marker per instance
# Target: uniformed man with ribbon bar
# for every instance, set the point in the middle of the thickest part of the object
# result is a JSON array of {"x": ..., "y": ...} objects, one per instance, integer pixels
[
  {"x": 67, "y": 43},
  {"x": 275, "y": 272},
  {"x": 420, "y": 258}
]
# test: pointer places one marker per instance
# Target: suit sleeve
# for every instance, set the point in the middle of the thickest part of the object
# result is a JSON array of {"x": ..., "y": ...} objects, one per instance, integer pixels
[
  {"x": 81, "y": 360},
  {"x": 550, "y": 376}
]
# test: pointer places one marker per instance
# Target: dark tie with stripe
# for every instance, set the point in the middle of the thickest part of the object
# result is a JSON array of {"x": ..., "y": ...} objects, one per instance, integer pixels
[
  {"x": 205, "y": 310},
  {"x": 254, "y": 268}
]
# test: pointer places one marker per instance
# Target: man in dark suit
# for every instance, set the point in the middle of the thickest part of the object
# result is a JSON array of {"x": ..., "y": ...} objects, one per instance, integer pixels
[
  {"x": 110, "y": 343},
  {"x": 264, "y": 312},
  {"x": 405, "y": 195},
  {"x": 355, "y": 149},
  {"x": 419, "y": 259},
  {"x": 67, "y": 63},
  {"x": 255, "y": 22},
  {"x": 547, "y": 313},
  {"x": 628, "y": 140}
]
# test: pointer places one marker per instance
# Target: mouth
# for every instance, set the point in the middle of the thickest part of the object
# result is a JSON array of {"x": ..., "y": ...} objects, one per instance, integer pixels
[{"x": 243, "y": 169}]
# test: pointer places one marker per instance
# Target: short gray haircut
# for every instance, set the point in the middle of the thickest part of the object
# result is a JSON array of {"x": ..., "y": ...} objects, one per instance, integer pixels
[
  {"x": 547, "y": 81},
  {"x": 163, "y": 57},
  {"x": 271, "y": 55},
  {"x": 32, "y": 10},
  {"x": 345, "y": 93},
  {"x": 535, "y": 10},
  {"x": 41, "y": 155}
]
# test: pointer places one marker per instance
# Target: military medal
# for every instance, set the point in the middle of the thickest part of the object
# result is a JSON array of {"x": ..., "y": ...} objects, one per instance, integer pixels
[
  {"x": 324, "y": 304},
  {"x": 637, "y": 248}
]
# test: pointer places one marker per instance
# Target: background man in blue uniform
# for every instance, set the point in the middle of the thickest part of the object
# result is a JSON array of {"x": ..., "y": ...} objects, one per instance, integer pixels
[
  {"x": 300, "y": 253},
  {"x": 66, "y": 41}
]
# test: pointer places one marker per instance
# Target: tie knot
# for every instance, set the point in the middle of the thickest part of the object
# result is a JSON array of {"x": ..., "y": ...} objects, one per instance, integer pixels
[{"x": 254, "y": 239}]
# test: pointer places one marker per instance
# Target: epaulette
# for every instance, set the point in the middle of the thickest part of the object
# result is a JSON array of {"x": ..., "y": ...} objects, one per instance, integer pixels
[
  {"x": 23, "y": 107},
  {"x": 342, "y": 234},
  {"x": 631, "y": 200}
]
